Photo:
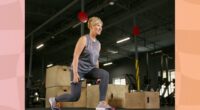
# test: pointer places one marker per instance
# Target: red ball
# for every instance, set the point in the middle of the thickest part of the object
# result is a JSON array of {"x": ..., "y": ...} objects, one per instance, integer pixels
[
  {"x": 136, "y": 31},
  {"x": 83, "y": 17}
]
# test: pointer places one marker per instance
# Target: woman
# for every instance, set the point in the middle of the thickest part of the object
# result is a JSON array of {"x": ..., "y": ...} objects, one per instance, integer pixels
[{"x": 86, "y": 65}]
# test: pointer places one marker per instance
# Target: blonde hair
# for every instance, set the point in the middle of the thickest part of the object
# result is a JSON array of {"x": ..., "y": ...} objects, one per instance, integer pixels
[{"x": 93, "y": 21}]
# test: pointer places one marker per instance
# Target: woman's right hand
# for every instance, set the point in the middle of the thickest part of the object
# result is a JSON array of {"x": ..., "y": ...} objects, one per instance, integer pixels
[{"x": 76, "y": 78}]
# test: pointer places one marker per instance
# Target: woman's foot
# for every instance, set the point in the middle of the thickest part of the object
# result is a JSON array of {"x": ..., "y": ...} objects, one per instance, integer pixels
[
  {"x": 52, "y": 102},
  {"x": 103, "y": 104}
]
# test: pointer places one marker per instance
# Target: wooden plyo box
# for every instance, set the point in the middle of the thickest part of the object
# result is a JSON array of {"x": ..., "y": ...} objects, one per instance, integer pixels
[
  {"x": 59, "y": 76},
  {"x": 142, "y": 100},
  {"x": 115, "y": 95},
  {"x": 103, "y": 109},
  {"x": 134, "y": 100},
  {"x": 92, "y": 96},
  {"x": 152, "y": 100}
]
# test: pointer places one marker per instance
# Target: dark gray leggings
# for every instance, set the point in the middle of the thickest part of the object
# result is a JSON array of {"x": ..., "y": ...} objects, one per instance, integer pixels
[{"x": 95, "y": 73}]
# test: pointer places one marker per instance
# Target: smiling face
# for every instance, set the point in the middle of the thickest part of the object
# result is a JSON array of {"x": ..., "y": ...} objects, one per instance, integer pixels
[
  {"x": 95, "y": 25},
  {"x": 97, "y": 28}
]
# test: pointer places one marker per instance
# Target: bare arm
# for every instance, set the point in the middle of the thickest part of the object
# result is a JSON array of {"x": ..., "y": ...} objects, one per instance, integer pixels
[
  {"x": 78, "y": 49},
  {"x": 97, "y": 64}
]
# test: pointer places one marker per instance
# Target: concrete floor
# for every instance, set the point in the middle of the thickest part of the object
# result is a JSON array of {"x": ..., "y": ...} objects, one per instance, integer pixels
[{"x": 162, "y": 108}]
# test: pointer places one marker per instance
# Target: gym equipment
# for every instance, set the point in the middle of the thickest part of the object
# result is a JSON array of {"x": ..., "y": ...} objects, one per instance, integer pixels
[
  {"x": 169, "y": 99},
  {"x": 81, "y": 80},
  {"x": 131, "y": 81},
  {"x": 135, "y": 33},
  {"x": 83, "y": 17},
  {"x": 135, "y": 30}
]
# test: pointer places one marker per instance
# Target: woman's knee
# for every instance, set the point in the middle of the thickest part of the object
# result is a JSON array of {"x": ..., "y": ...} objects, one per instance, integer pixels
[
  {"x": 104, "y": 73},
  {"x": 75, "y": 97}
]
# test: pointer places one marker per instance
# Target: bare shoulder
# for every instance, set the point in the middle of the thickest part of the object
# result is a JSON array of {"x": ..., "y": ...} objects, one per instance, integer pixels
[{"x": 82, "y": 38}]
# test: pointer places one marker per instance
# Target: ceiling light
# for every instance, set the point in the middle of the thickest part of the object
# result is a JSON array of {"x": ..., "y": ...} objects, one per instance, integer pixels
[
  {"x": 123, "y": 40},
  {"x": 76, "y": 25},
  {"x": 49, "y": 65},
  {"x": 113, "y": 51},
  {"x": 159, "y": 51},
  {"x": 39, "y": 46},
  {"x": 111, "y": 3},
  {"x": 36, "y": 94},
  {"x": 107, "y": 64},
  {"x": 52, "y": 37},
  {"x": 156, "y": 52}
]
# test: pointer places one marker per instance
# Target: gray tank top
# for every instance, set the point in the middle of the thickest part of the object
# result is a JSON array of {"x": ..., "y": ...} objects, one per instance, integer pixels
[{"x": 89, "y": 56}]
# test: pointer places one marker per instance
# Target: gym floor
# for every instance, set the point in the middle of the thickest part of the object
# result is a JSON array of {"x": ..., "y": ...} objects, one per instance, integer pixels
[{"x": 162, "y": 108}]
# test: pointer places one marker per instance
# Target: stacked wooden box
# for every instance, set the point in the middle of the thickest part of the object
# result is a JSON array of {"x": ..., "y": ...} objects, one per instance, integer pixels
[
  {"x": 142, "y": 100},
  {"x": 115, "y": 95},
  {"x": 58, "y": 80}
]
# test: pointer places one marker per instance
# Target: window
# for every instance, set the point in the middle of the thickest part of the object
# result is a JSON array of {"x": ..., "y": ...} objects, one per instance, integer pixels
[
  {"x": 171, "y": 75},
  {"x": 119, "y": 81},
  {"x": 171, "y": 87}
]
